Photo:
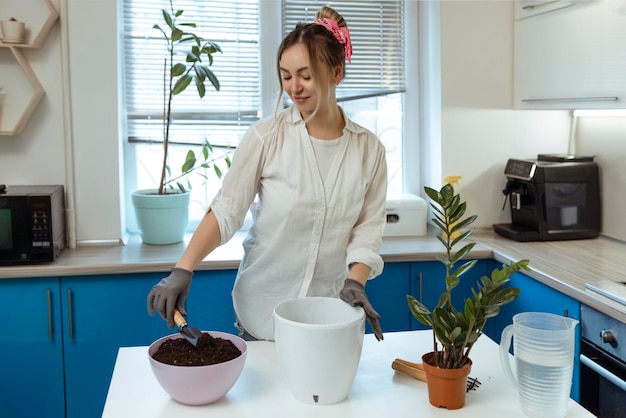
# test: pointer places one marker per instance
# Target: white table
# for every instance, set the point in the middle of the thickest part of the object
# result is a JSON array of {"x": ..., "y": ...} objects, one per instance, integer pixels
[{"x": 378, "y": 391}]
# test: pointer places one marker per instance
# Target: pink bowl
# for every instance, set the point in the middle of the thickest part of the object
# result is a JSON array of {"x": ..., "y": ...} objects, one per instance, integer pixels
[{"x": 199, "y": 385}]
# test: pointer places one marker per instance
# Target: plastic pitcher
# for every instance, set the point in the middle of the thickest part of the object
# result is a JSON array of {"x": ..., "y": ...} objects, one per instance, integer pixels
[
  {"x": 319, "y": 342},
  {"x": 543, "y": 346}
]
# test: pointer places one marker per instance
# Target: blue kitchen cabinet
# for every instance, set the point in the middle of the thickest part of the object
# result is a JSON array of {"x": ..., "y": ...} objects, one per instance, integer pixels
[
  {"x": 100, "y": 315},
  {"x": 210, "y": 304},
  {"x": 387, "y": 294},
  {"x": 210, "y": 307},
  {"x": 106, "y": 312},
  {"x": 31, "y": 349},
  {"x": 427, "y": 282},
  {"x": 538, "y": 297}
]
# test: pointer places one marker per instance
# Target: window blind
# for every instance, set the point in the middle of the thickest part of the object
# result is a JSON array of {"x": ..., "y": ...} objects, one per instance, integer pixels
[
  {"x": 377, "y": 68},
  {"x": 221, "y": 116},
  {"x": 377, "y": 33}
]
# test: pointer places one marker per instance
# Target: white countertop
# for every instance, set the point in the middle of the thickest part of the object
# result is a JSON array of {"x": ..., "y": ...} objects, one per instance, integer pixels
[{"x": 378, "y": 391}]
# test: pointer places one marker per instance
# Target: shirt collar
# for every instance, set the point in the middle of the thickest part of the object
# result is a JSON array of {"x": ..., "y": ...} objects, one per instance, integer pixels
[{"x": 294, "y": 117}]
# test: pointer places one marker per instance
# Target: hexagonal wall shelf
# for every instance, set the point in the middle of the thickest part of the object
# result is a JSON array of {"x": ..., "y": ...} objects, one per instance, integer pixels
[
  {"x": 39, "y": 17},
  {"x": 21, "y": 96},
  {"x": 23, "y": 93}
]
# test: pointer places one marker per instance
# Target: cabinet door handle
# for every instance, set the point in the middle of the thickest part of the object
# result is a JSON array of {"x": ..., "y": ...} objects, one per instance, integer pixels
[
  {"x": 70, "y": 316},
  {"x": 572, "y": 99},
  {"x": 50, "y": 329},
  {"x": 420, "y": 292}
]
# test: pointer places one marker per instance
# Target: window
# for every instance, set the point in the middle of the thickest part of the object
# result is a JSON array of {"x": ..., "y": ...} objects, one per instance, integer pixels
[{"x": 372, "y": 94}]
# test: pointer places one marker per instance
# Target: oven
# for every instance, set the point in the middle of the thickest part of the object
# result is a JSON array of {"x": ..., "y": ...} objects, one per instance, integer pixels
[{"x": 602, "y": 364}]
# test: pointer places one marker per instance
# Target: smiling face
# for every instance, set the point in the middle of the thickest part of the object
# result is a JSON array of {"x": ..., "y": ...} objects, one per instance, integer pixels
[{"x": 298, "y": 82}]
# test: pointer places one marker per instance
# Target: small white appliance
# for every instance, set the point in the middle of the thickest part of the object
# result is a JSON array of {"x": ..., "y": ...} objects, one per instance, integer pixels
[{"x": 406, "y": 216}]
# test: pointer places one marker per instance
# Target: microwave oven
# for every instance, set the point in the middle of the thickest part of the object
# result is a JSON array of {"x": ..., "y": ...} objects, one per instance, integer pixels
[{"x": 32, "y": 224}]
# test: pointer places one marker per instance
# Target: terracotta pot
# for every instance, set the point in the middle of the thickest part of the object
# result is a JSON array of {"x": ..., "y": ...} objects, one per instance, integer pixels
[{"x": 446, "y": 387}]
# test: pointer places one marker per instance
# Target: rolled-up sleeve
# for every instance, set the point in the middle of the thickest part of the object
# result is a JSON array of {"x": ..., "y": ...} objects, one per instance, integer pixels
[
  {"x": 239, "y": 186},
  {"x": 367, "y": 233}
]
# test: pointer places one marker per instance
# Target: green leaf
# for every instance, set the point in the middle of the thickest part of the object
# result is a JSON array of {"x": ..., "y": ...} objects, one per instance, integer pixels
[
  {"x": 462, "y": 252},
  {"x": 443, "y": 300},
  {"x": 437, "y": 211},
  {"x": 433, "y": 195},
  {"x": 443, "y": 259},
  {"x": 462, "y": 236},
  {"x": 205, "y": 152},
  {"x": 447, "y": 193},
  {"x": 190, "y": 161},
  {"x": 464, "y": 223},
  {"x": 191, "y": 57},
  {"x": 167, "y": 18},
  {"x": 176, "y": 34},
  {"x": 181, "y": 84},
  {"x": 456, "y": 209},
  {"x": 178, "y": 69},
  {"x": 465, "y": 268},
  {"x": 162, "y": 31},
  {"x": 443, "y": 241},
  {"x": 213, "y": 79},
  {"x": 200, "y": 87},
  {"x": 200, "y": 74},
  {"x": 186, "y": 37},
  {"x": 452, "y": 282},
  {"x": 440, "y": 224},
  {"x": 419, "y": 311}
]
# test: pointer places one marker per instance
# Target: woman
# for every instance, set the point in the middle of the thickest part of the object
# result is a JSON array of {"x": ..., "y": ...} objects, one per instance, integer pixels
[{"x": 321, "y": 182}]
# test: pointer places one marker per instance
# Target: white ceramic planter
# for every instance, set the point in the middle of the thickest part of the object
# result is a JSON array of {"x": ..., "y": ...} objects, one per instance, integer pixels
[
  {"x": 12, "y": 31},
  {"x": 319, "y": 342},
  {"x": 162, "y": 219}
]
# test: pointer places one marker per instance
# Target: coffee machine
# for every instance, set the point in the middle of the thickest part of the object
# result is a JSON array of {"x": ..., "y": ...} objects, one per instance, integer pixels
[{"x": 555, "y": 197}]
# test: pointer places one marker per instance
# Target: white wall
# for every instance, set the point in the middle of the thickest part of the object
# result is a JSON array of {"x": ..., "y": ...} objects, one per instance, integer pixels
[
  {"x": 480, "y": 132},
  {"x": 93, "y": 35},
  {"x": 605, "y": 137},
  {"x": 37, "y": 155},
  {"x": 479, "y": 129},
  {"x": 41, "y": 154}
]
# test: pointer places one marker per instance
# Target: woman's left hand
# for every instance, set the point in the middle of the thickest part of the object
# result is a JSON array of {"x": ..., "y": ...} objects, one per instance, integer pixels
[{"x": 353, "y": 293}]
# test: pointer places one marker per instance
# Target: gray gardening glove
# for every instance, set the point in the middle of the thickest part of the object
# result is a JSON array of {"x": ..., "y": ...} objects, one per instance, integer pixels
[
  {"x": 170, "y": 293},
  {"x": 353, "y": 293}
]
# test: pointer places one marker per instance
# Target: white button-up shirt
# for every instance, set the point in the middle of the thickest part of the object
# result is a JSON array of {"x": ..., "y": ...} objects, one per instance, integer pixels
[{"x": 307, "y": 232}]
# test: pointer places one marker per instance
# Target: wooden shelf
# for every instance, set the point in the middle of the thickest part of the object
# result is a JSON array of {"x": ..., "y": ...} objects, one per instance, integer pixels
[
  {"x": 23, "y": 92},
  {"x": 22, "y": 95},
  {"x": 40, "y": 16}
]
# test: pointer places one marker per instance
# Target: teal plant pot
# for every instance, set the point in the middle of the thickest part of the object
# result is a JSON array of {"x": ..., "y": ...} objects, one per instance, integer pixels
[{"x": 162, "y": 219}]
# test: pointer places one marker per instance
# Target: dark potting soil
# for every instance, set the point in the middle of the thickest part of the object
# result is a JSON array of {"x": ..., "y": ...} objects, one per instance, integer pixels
[{"x": 210, "y": 350}]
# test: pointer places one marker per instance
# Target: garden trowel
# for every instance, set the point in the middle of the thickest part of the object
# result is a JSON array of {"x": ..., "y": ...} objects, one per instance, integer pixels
[{"x": 191, "y": 334}]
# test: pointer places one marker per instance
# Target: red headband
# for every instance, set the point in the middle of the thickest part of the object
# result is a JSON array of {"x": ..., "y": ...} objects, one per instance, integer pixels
[{"x": 342, "y": 34}]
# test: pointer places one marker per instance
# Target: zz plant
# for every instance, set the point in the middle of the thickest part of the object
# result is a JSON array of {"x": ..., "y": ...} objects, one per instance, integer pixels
[{"x": 455, "y": 331}]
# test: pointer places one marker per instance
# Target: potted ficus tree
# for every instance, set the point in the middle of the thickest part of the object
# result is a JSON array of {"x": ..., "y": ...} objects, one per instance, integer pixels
[
  {"x": 162, "y": 213},
  {"x": 456, "y": 330}
]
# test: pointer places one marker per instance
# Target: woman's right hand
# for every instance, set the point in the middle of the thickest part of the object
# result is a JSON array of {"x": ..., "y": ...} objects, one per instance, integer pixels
[{"x": 170, "y": 293}]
